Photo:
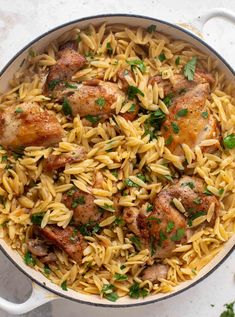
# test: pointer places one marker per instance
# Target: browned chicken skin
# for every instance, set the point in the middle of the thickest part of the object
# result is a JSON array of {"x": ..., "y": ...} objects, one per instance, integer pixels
[
  {"x": 68, "y": 239},
  {"x": 28, "y": 125},
  {"x": 54, "y": 162},
  {"x": 68, "y": 63},
  {"x": 83, "y": 206},
  {"x": 155, "y": 272},
  {"x": 165, "y": 226},
  {"x": 186, "y": 112}
]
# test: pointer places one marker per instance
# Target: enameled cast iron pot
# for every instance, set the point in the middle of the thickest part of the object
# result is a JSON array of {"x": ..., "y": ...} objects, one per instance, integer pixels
[{"x": 43, "y": 290}]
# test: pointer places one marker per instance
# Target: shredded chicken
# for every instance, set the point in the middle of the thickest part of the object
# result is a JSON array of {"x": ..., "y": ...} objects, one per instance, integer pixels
[{"x": 155, "y": 272}]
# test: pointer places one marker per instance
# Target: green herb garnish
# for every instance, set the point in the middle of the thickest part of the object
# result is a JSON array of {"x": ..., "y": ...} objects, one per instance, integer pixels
[
  {"x": 158, "y": 220},
  {"x": 119, "y": 221},
  {"x": 151, "y": 28},
  {"x": 162, "y": 57},
  {"x": 132, "y": 108},
  {"x": 78, "y": 201},
  {"x": 175, "y": 127},
  {"x": 181, "y": 113},
  {"x": 137, "y": 292},
  {"x": 177, "y": 61},
  {"x": 68, "y": 85},
  {"x": 170, "y": 226},
  {"x": 100, "y": 102},
  {"x": 64, "y": 285},
  {"x": 168, "y": 99},
  {"x": 120, "y": 277},
  {"x": 132, "y": 91},
  {"x": 195, "y": 216},
  {"x": 92, "y": 119},
  {"x": 137, "y": 63},
  {"x": 229, "y": 141},
  {"x": 178, "y": 235},
  {"x": 229, "y": 312},
  {"x": 149, "y": 208},
  {"x": 53, "y": 83},
  {"x": 130, "y": 183},
  {"x": 207, "y": 192},
  {"x": 189, "y": 184},
  {"x": 189, "y": 68},
  {"x": 66, "y": 107},
  {"x": 19, "y": 110},
  {"x": 136, "y": 241},
  {"x": 169, "y": 140},
  {"x": 46, "y": 269},
  {"x": 109, "y": 48},
  {"x": 204, "y": 114},
  {"x": 197, "y": 201},
  {"x": 108, "y": 292},
  {"x": 37, "y": 218},
  {"x": 28, "y": 259}
]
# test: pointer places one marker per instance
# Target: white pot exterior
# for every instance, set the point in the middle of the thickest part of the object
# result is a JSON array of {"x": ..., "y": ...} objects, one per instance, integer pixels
[{"x": 7, "y": 73}]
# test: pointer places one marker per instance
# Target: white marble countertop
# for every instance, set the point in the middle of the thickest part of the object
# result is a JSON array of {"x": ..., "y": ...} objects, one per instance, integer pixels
[{"x": 23, "y": 20}]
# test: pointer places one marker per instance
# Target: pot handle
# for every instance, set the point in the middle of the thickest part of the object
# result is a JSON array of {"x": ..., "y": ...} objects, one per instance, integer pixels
[
  {"x": 38, "y": 297},
  {"x": 200, "y": 21}
]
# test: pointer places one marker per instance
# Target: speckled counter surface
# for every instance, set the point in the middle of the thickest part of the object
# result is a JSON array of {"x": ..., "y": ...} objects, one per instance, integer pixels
[{"x": 23, "y": 20}]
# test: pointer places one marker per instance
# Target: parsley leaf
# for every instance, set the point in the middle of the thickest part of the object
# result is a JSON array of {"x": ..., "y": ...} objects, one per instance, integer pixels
[
  {"x": 28, "y": 259},
  {"x": 68, "y": 85},
  {"x": 204, "y": 114},
  {"x": 189, "y": 68},
  {"x": 175, "y": 127},
  {"x": 46, "y": 269},
  {"x": 130, "y": 183},
  {"x": 92, "y": 119},
  {"x": 66, "y": 107},
  {"x": 78, "y": 201},
  {"x": 229, "y": 312},
  {"x": 19, "y": 110},
  {"x": 168, "y": 99},
  {"x": 169, "y": 140},
  {"x": 162, "y": 57},
  {"x": 53, "y": 83},
  {"x": 137, "y": 63},
  {"x": 89, "y": 228},
  {"x": 135, "y": 291},
  {"x": 181, "y": 113},
  {"x": 189, "y": 184},
  {"x": 207, "y": 192},
  {"x": 156, "y": 119},
  {"x": 109, "y": 48},
  {"x": 229, "y": 141},
  {"x": 170, "y": 226},
  {"x": 132, "y": 108},
  {"x": 136, "y": 241},
  {"x": 151, "y": 28},
  {"x": 178, "y": 235},
  {"x": 197, "y": 201},
  {"x": 149, "y": 207},
  {"x": 119, "y": 221},
  {"x": 64, "y": 285},
  {"x": 37, "y": 218},
  {"x": 100, "y": 102},
  {"x": 195, "y": 216},
  {"x": 158, "y": 220},
  {"x": 108, "y": 292},
  {"x": 120, "y": 277},
  {"x": 132, "y": 91},
  {"x": 177, "y": 61}
]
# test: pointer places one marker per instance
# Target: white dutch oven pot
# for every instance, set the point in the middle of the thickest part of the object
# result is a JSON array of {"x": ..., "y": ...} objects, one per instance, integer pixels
[{"x": 45, "y": 291}]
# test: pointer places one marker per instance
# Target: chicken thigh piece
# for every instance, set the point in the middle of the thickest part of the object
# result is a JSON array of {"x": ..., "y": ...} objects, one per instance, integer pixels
[
  {"x": 188, "y": 121},
  {"x": 28, "y": 125},
  {"x": 165, "y": 226}
]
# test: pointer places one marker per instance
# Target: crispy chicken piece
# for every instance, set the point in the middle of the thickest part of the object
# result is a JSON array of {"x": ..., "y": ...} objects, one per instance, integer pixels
[
  {"x": 187, "y": 124},
  {"x": 165, "y": 226},
  {"x": 155, "y": 272},
  {"x": 68, "y": 63},
  {"x": 83, "y": 206},
  {"x": 28, "y": 125},
  {"x": 68, "y": 239},
  {"x": 55, "y": 162},
  {"x": 91, "y": 100}
]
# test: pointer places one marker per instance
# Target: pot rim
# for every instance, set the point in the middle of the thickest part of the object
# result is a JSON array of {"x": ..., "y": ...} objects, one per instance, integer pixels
[{"x": 18, "y": 266}]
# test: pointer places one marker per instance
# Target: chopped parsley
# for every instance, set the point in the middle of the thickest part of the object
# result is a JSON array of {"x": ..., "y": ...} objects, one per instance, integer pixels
[
  {"x": 64, "y": 285},
  {"x": 229, "y": 141},
  {"x": 130, "y": 183},
  {"x": 141, "y": 177},
  {"x": 28, "y": 259},
  {"x": 108, "y": 292},
  {"x": 189, "y": 184},
  {"x": 92, "y": 119},
  {"x": 115, "y": 173},
  {"x": 46, "y": 269},
  {"x": 175, "y": 127},
  {"x": 197, "y": 201},
  {"x": 71, "y": 192},
  {"x": 162, "y": 57},
  {"x": 170, "y": 226},
  {"x": 132, "y": 108},
  {"x": 168, "y": 99},
  {"x": 66, "y": 107},
  {"x": 149, "y": 208},
  {"x": 119, "y": 221},
  {"x": 169, "y": 140},
  {"x": 204, "y": 114},
  {"x": 89, "y": 228},
  {"x": 100, "y": 102},
  {"x": 74, "y": 235},
  {"x": 158, "y": 220},
  {"x": 109, "y": 207},
  {"x": 195, "y": 216},
  {"x": 207, "y": 192},
  {"x": 53, "y": 83},
  {"x": 78, "y": 201},
  {"x": 156, "y": 120},
  {"x": 151, "y": 28},
  {"x": 229, "y": 312},
  {"x": 32, "y": 53},
  {"x": 189, "y": 68},
  {"x": 109, "y": 48},
  {"x": 169, "y": 178},
  {"x": 137, "y": 63},
  {"x": 132, "y": 91},
  {"x": 37, "y": 218},
  {"x": 181, "y": 113},
  {"x": 136, "y": 292},
  {"x": 19, "y": 110},
  {"x": 178, "y": 235},
  {"x": 120, "y": 277},
  {"x": 68, "y": 85},
  {"x": 177, "y": 61},
  {"x": 4, "y": 158},
  {"x": 136, "y": 241},
  {"x": 162, "y": 237},
  {"x": 221, "y": 191},
  {"x": 78, "y": 38}
]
